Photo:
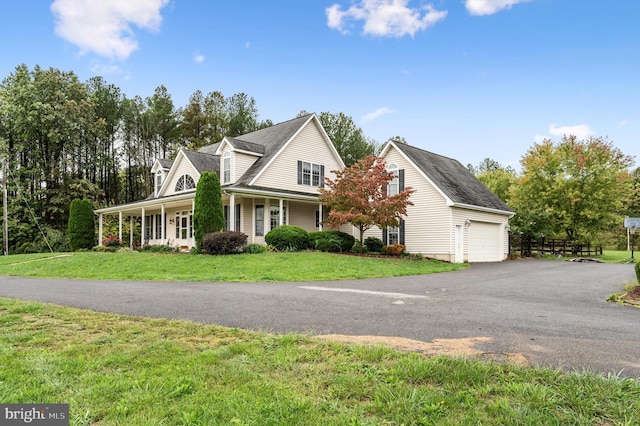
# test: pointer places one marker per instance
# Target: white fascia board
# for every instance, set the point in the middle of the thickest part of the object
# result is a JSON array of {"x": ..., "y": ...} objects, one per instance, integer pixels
[
  {"x": 274, "y": 194},
  {"x": 146, "y": 203},
  {"x": 482, "y": 209},
  {"x": 328, "y": 140},
  {"x": 242, "y": 151}
]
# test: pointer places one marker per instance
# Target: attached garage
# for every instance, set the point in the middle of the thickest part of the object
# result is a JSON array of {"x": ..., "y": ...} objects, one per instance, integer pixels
[{"x": 485, "y": 242}]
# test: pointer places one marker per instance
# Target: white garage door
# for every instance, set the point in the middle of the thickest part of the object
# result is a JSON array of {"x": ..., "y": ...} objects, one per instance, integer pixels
[{"x": 485, "y": 244}]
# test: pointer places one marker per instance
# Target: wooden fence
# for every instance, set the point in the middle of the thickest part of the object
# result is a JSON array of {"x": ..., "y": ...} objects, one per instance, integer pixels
[{"x": 527, "y": 247}]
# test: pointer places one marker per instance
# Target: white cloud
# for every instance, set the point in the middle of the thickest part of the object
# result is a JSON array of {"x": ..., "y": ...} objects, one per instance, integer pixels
[
  {"x": 101, "y": 69},
  {"x": 581, "y": 131},
  {"x": 104, "y": 27},
  {"x": 386, "y": 18},
  {"x": 623, "y": 122},
  {"x": 198, "y": 58},
  {"x": 489, "y": 7},
  {"x": 376, "y": 114},
  {"x": 539, "y": 138}
]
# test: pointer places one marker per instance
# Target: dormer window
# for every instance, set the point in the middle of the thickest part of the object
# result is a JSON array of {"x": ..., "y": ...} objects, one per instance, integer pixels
[
  {"x": 158, "y": 182},
  {"x": 226, "y": 167},
  {"x": 185, "y": 183}
]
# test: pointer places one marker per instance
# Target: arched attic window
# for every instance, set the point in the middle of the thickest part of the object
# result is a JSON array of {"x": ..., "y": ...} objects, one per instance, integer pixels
[{"x": 184, "y": 183}]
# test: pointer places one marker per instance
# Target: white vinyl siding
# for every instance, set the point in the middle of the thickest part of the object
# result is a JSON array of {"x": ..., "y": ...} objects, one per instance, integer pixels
[
  {"x": 461, "y": 215},
  {"x": 427, "y": 222},
  {"x": 308, "y": 145},
  {"x": 303, "y": 215},
  {"x": 240, "y": 163},
  {"x": 184, "y": 168}
]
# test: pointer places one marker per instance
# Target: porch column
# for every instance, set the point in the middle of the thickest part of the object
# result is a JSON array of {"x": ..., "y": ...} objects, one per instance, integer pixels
[
  {"x": 232, "y": 212},
  {"x": 281, "y": 212},
  {"x": 142, "y": 228},
  {"x": 100, "y": 230},
  {"x": 320, "y": 216},
  {"x": 131, "y": 232},
  {"x": 163, "y": 220},
  {"x": 120, "y": 225}
]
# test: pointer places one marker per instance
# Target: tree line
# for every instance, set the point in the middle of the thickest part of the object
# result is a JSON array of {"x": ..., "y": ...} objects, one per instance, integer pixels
[
  {"x": 578, "y": 190},
  {"x": 66, "y": 139}
]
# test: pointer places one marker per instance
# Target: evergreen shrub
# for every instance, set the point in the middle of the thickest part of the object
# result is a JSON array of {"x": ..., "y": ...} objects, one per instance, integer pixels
[
  {"x": 81, "y": 228},
  {"x": 373, "y": 244},
  {"x": 288, "y": 238},
  {"x": 331, "y": 241}
]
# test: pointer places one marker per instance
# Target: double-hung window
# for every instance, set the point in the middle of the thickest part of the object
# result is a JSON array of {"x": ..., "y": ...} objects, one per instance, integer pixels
[
  {"x": 310, "y": 174},
  {"x": 226, "y": 167}
]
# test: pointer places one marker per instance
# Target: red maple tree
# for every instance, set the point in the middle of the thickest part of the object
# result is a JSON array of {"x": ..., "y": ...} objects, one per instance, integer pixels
[{"x": 358, "y": 195}]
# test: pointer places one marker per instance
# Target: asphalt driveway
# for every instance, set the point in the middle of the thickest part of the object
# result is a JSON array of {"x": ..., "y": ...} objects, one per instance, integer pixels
[{"x": 551, "y": 313}]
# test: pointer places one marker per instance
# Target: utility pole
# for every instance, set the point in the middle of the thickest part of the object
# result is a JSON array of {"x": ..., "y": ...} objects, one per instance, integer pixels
[{"x": 5, "y": 222}]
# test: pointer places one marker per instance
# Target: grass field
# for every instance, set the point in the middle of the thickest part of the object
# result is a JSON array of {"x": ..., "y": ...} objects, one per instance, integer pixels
[
  {"x": 122, "y": 370},
  {"x": 616, "y": 256},
  {"x": 302, "y": 266}
]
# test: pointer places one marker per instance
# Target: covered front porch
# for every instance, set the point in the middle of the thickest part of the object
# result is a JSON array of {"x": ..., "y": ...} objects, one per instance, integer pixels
[{"x": 169, "y": 221}]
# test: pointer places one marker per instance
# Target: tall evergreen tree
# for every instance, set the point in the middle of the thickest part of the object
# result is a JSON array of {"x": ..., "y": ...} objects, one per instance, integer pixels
[
  {"x": 81, "y": 229},
  {"x": 208, "y": 214}
]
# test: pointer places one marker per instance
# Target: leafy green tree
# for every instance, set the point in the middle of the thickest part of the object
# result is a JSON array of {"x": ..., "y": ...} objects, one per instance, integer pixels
[
  {"x": 358, "y": 195},
  {"x": 573, "y": 189},
  {"x": 494, "y": 176},
  {"x": 208, "y": 214},
  {"x": 194, "y": 122},
  {"x": 243, "y": 115},
  {"x": 81, "y": 228}
]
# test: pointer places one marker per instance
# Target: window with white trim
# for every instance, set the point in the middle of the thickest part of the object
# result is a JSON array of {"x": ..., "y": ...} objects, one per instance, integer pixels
[
  {"x": 259, "y": 220},
  {"x": 158, "y": 182},
  {"x": 185, "y": 183},
  {"x": 184, "y": 225},
  {"x": 275, "y": 215},
  {"x": 226, "y": 167},
  {"x": 310, "y": 174},
  {"x": 393, "y": 187}
]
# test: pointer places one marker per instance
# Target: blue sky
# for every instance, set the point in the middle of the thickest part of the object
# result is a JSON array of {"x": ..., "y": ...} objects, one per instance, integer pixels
[{"x": 468, "y": 79}]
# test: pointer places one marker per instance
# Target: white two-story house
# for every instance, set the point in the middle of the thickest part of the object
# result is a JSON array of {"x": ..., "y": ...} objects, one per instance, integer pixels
[{"x": 268, "y": 178}]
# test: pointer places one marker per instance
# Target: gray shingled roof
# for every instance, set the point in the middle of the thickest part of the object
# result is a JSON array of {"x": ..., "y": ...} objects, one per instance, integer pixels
[
  {"x": 247, "y": 146},
  {"x": 458, "y": 183},
  {"x": 165, "y": 164},
  {"x": 203, "y": 162},
  {"x": 210, "y": 149}
]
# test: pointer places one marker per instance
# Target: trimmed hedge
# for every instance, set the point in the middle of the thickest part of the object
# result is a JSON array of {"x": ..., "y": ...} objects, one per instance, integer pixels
[
  {"x": 227, "y": 242},
  {"x": 373, "y": 244},
  {"x": 637, "y": 268},
  {"x": 288, "y": 238},
  {"x": 331, "y": 241}
]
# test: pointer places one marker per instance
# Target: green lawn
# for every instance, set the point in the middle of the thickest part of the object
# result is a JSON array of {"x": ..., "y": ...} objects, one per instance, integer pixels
[
  {"x": 302, "y": 266},
  {"x": 617, "y": 256},
  {"x": 123, "y": 370}
]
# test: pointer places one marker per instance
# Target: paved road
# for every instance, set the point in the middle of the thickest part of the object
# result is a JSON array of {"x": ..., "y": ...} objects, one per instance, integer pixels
[{"x": 553, "y": 313}]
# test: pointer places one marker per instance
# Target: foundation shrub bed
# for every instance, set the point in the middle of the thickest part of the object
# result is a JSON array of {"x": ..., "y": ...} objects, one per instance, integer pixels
[{"x": 227, "y": 242}]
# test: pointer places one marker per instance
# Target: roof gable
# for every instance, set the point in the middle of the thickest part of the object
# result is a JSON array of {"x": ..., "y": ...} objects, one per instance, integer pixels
[
  {"x": 198, "y": 162},
  {"x": 451, "y": 178}
]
